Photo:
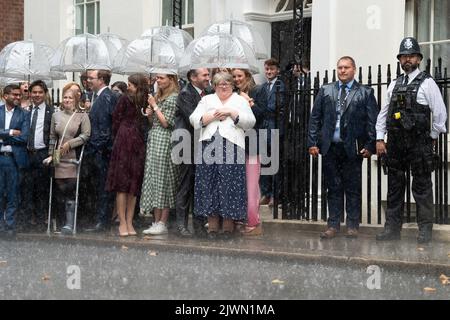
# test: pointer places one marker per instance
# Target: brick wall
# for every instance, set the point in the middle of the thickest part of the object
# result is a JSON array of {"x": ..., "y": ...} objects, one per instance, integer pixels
[{"x": 11, "y": 20}]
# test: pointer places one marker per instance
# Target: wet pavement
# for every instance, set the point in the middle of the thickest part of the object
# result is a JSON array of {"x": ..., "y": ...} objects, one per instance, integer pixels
[{"x": 39, "y": 270}]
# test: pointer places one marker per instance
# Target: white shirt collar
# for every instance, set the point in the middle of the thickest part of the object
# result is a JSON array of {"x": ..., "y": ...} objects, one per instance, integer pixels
[
  {"x": 198, "y": 90},
  {"x": 42, "y": 105},
  {"x": 413, "y": 75},
  {"x": 100, "y": 91}
]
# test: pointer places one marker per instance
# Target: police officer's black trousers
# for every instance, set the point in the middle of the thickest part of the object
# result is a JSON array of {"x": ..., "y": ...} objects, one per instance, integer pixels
[{"x": 422, "y": 189}]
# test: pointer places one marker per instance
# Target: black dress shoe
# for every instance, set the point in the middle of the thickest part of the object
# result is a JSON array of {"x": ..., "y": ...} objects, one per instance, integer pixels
[
  {"x": 183, "y": 232},
  {"x": 100, "y": 227},
  {"x": 425, "y": 236},
  {"x": 388, "y": 235}
]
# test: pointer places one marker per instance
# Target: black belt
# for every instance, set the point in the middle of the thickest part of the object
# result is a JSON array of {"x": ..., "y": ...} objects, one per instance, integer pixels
[
  {"x": 34, "y": 151},
  {"x": 6, "y": 154}
]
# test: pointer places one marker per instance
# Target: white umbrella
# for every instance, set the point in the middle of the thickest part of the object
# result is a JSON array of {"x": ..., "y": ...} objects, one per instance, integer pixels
[
  {"x": 114, "y": 43},
  {"x": 28, "y": 61},
  {"x": 241, "y": 30},
  {"x": 80, "y": 53},
  {"x": 178, "y": 36},
  {"x": 218, "y": 51},
  {"x": 153, "y": 54},
  {"x": 7, "y": 81}
]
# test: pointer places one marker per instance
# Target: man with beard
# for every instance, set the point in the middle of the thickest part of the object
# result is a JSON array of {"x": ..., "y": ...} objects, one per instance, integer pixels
[
  {"x": 187, "y": 101},
  {"x": 413, "y": 117}
]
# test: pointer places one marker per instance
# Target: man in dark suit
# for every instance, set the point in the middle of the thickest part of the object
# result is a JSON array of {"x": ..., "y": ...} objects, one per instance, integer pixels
[
  {"x": 342, "y": 129},
  {"x": 188, "y": 100},
  {"x": 99, "y": 147},
  {"x": 273, "y": 87},
  {"x": 36, "y": 179},
  {"x": 14, "y": 128}
]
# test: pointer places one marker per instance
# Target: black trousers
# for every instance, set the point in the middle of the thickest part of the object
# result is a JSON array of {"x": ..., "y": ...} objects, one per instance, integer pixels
[
  {"x": 185, "y": 198},
  {"x": 343, "y": 179},
  {"x": 402, "y": 154},
  {"x": 36, "y": 185}
]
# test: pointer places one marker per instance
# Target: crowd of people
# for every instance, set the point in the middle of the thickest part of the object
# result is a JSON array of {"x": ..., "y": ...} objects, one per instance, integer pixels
[
  {"x": 129, "y": 137},
  {"x": 126, "y": 132}
]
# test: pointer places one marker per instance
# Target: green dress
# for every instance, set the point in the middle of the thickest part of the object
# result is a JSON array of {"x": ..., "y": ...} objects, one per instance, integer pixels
[{"x": 160, "y": 175}]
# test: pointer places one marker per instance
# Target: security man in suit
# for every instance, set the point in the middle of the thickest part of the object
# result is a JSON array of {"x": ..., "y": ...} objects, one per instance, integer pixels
[
  {"x": 187, "y": 102},
  {"x": 36, "y": 180},
  {"x": 413, "y": 117},
  {"x": 342, "y": 129},
  {"x": 14, "y": 128}
]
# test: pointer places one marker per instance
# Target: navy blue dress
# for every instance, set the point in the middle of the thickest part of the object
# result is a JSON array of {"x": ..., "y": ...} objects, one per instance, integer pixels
[{"x": 220, "y": 188}]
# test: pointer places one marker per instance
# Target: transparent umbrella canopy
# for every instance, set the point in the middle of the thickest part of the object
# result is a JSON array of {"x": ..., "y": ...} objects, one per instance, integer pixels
[
  {"x": 218, "y": 51},
  {"x": 153, "y": 54},
  {"x": 114, "y": 43},
  {"x": 28, "y": 61},
  {"x": 178, "y": 36},
  {"x": 80, "y": 53},
  {"x": 241, "y": 30},
  {"x": 7, "y": 81}
]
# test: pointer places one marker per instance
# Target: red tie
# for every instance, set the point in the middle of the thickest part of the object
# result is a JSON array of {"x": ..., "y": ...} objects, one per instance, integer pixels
[{"x": 202, "y": 94}]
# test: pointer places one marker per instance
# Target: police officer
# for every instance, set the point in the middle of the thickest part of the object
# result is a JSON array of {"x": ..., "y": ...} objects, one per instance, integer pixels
[{"x": 413, "y": 117}]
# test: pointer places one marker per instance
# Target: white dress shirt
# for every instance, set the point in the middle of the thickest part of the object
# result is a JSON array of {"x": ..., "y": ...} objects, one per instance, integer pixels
[
  {"x": 39, "y": 133},
  {"x": 98, "y": 94},
  {"x": 8, "y": 117},
  {"x": 227, "y": 129},
  {"x": 428, "y": 94}
]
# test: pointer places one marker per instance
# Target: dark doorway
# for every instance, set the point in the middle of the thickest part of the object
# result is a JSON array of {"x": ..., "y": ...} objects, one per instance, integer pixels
[{"x": 283, "y": 42}]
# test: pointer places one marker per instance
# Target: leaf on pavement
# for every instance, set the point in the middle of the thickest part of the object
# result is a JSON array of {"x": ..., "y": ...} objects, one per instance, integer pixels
[
  {"x": 420, "y": 249},
  {"x": 277, "y": 281},
  {"x": 124, "y": 248},
  {"x": 429, "y": 290},
  {"x": 444, "y": 279},
  {"x": 152, "y": 253},
  {"x": 46, "y": 277},
  {"x": 3, "y": 263},
  {"x": 146, "y": 238}
]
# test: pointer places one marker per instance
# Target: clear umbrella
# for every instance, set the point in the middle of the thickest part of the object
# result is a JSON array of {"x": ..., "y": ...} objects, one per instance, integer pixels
[
  {"x": 7, "y": 81},
  {"x": 80, "y": 53},
  {"x": 218, "y": 51},
  {"x": 28, "y": 61},
  {"x": 178, "y": 36},
  {"x": 153, "y": 54},
  {"x": 114, "y": 43},
  {"x": 241, "y": 30}
]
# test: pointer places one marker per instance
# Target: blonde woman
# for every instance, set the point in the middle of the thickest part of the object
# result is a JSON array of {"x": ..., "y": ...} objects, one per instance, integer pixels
[
  {"x": 247, "y": 89},
  {"x": 160, "y": 176},
  {"x": 69, "y": 130}
]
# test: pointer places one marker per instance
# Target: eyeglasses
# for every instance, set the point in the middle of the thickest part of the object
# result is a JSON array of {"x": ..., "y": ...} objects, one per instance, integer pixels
[
  {"x": 224, "y": 85},
  {"x": 90, "y": 78}
]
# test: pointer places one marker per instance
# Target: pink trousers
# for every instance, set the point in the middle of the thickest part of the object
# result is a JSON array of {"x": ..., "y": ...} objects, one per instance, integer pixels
[{"x": 253, "y": 171}]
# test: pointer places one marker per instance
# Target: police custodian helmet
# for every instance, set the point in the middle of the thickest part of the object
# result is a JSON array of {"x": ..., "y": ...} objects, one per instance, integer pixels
[{"x": 409, "y": 45}]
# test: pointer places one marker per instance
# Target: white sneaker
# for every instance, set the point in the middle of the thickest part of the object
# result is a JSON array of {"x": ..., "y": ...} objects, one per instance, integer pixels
[
  {"x": 150, "y": 230},
  {"x": 159, "y": 229}
]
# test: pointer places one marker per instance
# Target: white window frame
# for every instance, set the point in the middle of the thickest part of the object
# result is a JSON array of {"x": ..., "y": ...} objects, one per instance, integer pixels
[
  {"x": 84, "y": 5},
  {"x": 411, "y": 23},
  {"x": 186, "y": 16}
]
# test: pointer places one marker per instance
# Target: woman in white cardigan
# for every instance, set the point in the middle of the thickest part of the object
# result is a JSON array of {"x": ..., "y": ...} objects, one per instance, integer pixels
[{"x": 220, "y": 185}]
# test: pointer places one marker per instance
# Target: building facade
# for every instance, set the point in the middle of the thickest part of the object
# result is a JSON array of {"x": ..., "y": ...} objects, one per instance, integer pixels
[
  {"x": 12, "y": 21},
  {"x": 369, "y": 30}
]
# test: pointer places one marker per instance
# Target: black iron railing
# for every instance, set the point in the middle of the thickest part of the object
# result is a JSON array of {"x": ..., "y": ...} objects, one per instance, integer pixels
[{"x": 300, "y": 174}]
